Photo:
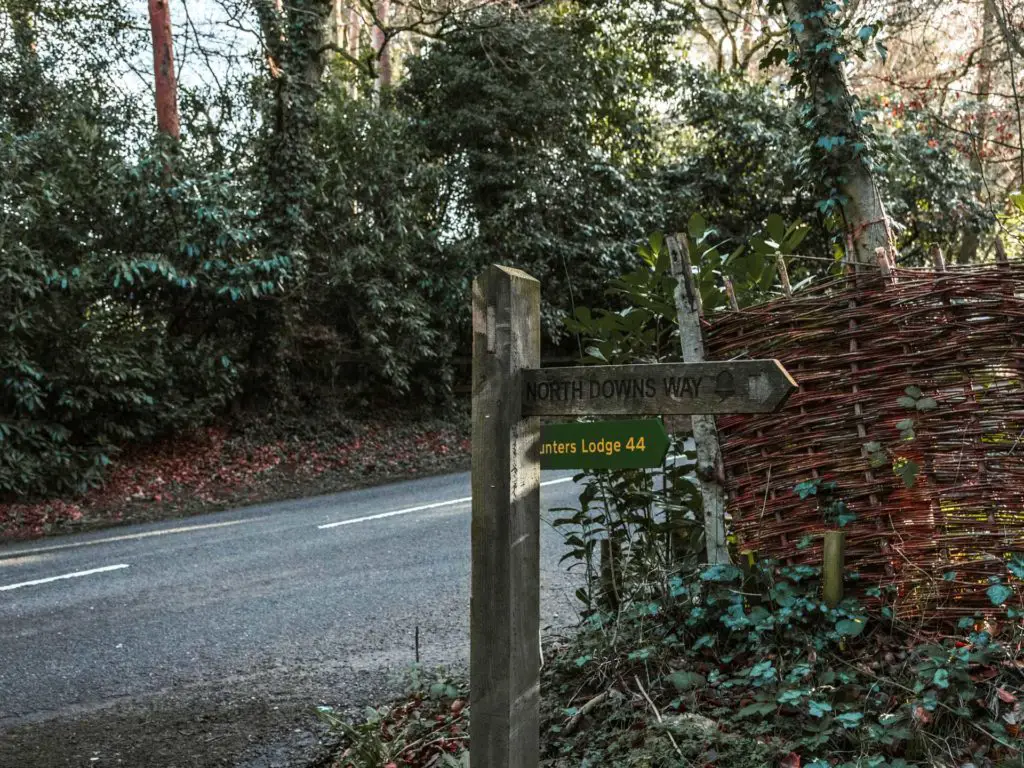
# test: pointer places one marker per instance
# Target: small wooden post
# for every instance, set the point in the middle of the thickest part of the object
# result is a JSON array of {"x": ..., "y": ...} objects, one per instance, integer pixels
[
  {"x": 784, "y": 275},
  {"x": 611, "y": 556},
  {"x": 709, "y": 468},
  {"x": 885, "y": 265},
  {"x": 730, "y": 291},
  {"x": 1001, "y": 252},
  {"x": 832, "y": 567},
  {"x": 504, "y": 657}
]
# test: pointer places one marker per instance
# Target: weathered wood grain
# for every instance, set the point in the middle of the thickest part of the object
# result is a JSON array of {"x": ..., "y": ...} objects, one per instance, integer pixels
[
  {"x": 505, "y": 592},
  {"x": 710, "y": 471},
  {"x": 739, "y": 386}
]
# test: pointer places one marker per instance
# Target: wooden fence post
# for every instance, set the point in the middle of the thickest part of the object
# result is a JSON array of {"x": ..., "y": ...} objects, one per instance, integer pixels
[
  {"x": 710, "y": 471},
  {"x": 504, "y": 655}
]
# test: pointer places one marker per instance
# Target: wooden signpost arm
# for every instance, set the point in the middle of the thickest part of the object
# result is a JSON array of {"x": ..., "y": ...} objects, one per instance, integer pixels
[
  {"x": 505, "y": 593},
  {"x": 709, "y": 467}
]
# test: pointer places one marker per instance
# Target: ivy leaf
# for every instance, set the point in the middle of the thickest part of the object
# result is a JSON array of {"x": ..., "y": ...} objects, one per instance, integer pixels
[
  {"x": 1016, "y": 566},
  {"x": 941, "y": 678},
  {"x": 914, "y": 392},
  {"x": 818, "y": 708},
  {"x": 704, "y": 641},
  {"x": 907, "y": 402},
  {"x": 845, "y": 518},
  {"x": 806, "y": 488},
  {"x": 791, "y": 696},
  {"x": 949, "y": 576},
  {"x": 927, "y": 404},
  {"x": 866, "y": 32},
  {"x": 999, "y": 593},
  {"x": 850, "y": 719},
  {"x": 721, "y": 572},
  {"x": 687, "y": 681},
  {"x": 905, "y": 424},
  {"x": 908, "y": 472},
  {"x": 757, "y": 708},
  {"x": 850, "y": 627}
]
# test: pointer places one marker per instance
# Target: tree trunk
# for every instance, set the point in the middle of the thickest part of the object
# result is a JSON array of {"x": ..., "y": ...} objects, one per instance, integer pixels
[
  {"x": 294, "y": 35},
  {"x": 355, "y": 27},
  {"x": 25, "y": 110},
  {"x": 380, "y": 44},
  {"x": 983, "y": 86},
  {"x": 866, "y": 221},
  {"x": 167, "y": 120}
]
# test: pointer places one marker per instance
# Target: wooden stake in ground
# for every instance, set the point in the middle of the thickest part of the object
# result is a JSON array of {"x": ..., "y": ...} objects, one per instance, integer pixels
[
  {"x": 504, "y": 655},
  {"x": 709, "y": 468},
  {"x": 832, "y": 568}
]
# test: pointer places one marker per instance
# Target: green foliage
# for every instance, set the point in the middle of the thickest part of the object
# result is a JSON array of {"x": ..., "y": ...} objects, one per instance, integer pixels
[
  {"x": 823, "y": 37},
  {"x": 903, "y": 465},
  {"x": 732, "y": 154},
  {"x": 652, "y": 518},
  {"x": 428, "y": 728},
  {"x": 831, "y": 506},
  {"x": 378, "y": 280},
  {"x": 304, "y": 241},
  {"x": 929, "y": 186},
  {"x": 767, "y": 663},
  {"x": 544, "y": 146},
  {"x": 113, "y": 272}
]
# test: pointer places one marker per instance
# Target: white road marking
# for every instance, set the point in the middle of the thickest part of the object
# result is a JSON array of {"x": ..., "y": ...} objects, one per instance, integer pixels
[
  {"x": 422, "y": 508},
  {"x": 126, "y": 537},
  {"x": 74, "y": 575},
  {"x": 439, "y": 504},
  {"x": 397, "y": 512}
]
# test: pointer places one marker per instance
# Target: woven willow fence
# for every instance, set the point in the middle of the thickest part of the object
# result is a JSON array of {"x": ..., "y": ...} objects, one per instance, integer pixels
[{"x": 854, "y": 348}]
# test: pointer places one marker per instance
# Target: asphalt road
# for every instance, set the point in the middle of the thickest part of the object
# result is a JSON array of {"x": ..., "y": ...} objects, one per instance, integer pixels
[{"x": 201, "y": 641}]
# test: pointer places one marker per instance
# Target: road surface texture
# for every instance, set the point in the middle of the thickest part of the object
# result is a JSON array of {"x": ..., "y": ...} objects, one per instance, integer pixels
[{"x": 210, "y": 641}]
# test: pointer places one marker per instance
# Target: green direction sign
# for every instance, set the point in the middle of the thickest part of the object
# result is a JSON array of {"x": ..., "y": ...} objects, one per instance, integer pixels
[{"x": 634, "y": 444}]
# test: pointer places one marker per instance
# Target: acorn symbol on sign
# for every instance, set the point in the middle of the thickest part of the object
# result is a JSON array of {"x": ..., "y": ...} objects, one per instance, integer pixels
[{"x": 725, "y": 387}]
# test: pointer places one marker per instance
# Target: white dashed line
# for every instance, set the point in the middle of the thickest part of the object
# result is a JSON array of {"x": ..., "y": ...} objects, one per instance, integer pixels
[
  {"x": 422, "y": 508},
  {"x": 126, "y": 537},
  {"x": 74, "y": 575}
]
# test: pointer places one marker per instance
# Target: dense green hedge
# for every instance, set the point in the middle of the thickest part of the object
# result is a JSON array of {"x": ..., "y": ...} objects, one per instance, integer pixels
[{"x": 302, "y": 244}]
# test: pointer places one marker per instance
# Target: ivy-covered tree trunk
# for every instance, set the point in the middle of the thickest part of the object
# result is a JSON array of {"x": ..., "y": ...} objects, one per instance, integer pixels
[
  {"x": 840, "y": 148},
  {"x": 295, "y": 38},
  {"x": 167, "y": 120}
]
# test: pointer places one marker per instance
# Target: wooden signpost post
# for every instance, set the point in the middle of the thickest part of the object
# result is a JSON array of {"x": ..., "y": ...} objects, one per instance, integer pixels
[{"x": 510, "y": 392}]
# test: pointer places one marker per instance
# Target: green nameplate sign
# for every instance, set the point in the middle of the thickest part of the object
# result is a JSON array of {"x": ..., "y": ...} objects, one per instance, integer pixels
[{"x": 634, "y": 444}]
